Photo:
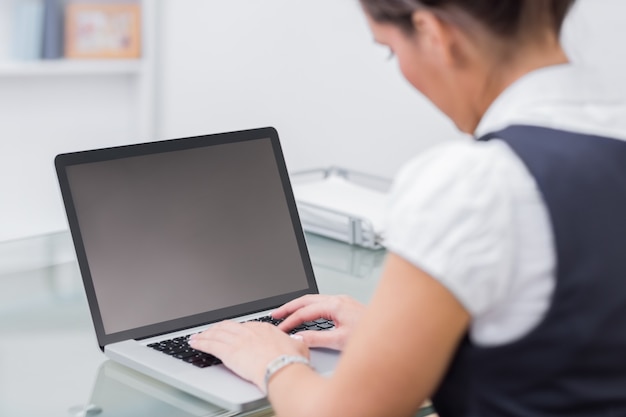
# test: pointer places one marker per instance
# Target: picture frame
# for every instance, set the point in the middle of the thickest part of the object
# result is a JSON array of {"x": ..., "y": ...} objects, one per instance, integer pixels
[{"x": 103, "y": 30}]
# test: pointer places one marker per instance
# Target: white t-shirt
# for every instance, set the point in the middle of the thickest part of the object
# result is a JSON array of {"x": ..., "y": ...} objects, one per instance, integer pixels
[{"x": 470, "y": 214}]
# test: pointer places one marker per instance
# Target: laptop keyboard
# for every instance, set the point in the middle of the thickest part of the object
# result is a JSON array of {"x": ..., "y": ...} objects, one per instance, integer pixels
[{"x": 179, "y": 347}]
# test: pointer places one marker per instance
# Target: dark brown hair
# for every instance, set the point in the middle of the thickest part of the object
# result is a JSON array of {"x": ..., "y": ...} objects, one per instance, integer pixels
[{"x": 508, "y": 19}]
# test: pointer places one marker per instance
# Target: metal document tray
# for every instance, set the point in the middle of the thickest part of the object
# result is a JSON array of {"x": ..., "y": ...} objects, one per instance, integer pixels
[{"x": 346, "y": 227}]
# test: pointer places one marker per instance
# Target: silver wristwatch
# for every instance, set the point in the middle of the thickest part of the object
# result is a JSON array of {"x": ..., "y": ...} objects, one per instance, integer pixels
[{"x": 279, "y": 363}]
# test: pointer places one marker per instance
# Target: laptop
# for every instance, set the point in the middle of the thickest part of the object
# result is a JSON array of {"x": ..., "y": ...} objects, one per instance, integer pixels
[{"x": 175, "y": 235}]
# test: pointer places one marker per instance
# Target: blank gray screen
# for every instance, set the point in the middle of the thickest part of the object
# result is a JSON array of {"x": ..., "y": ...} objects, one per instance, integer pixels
[{"x": 180, "y": 233}]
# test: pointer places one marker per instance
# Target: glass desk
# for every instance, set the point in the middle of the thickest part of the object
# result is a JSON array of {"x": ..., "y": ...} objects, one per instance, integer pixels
[{"x": 50, "y": 363}]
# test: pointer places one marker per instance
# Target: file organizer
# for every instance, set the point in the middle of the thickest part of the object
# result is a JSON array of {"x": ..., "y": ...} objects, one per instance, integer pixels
[
  {"x": 338, "y": 259},
  {"x": 321, "y": 214}
]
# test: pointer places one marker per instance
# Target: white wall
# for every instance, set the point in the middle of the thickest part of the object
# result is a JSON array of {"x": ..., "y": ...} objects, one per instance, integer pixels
[
  {"x": 310, "y": 68},
  {"x": 595, "y": 35},
  {"x": 40, "y": 117}
]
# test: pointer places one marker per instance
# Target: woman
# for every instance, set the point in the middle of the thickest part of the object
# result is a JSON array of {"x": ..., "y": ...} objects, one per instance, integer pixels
[{"x": 503, "y": 292}]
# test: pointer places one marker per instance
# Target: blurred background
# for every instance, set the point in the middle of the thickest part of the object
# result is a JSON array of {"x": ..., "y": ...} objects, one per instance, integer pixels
[
  {"x": 78, "y": 74},
  {"x": 82, "y": 74}
]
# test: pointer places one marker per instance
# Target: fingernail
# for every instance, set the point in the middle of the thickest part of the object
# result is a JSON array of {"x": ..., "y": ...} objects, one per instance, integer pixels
[{"x": 296, "y": 337}]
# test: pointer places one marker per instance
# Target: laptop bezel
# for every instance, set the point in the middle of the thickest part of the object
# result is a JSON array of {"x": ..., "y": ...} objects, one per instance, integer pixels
[{"x": 65, "y": 160}]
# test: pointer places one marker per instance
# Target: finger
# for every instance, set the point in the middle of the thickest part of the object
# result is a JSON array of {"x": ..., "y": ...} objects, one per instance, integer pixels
[
  {"x": 257, "y": 327},
  {"x": 294, "y": 305},
  {"x": 307, "y": 313},
  {"x": 220, "y": 338},
  {"x": 297, "y": 337},
  {"x": 218, "y": 331},
  {"x": 332, "y": 339},
  {"x": 215, "y": 347}
]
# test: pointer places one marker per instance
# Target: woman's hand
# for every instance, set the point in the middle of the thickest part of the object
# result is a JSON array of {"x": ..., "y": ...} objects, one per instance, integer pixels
[
  {"x": 341, "y": 309},
  {"x": 247, "y": 348}
]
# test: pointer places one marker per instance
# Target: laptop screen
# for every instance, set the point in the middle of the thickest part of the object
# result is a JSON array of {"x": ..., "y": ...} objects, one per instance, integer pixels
[{"x": 179, "y": 233}]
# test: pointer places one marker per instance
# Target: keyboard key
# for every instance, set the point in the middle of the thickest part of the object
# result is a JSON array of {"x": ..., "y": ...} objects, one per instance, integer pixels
[
  {"x": 201, "y": 364},
  {"x": 185, "y": 354},
  {"x": 179, "y": 347},
  {"x": 176, "y": 350}
]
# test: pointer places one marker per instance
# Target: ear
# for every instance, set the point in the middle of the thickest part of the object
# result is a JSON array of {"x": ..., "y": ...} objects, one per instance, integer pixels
[{"x": 435, "y": 37}]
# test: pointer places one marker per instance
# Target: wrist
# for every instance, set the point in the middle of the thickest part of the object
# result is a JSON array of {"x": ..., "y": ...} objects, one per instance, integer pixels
[{"x": 280, "y": 363}]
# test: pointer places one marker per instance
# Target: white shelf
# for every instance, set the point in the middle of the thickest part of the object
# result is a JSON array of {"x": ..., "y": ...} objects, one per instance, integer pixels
[
  {"x": 43, "y": 114},
  {"x": 71, "y": 67}
]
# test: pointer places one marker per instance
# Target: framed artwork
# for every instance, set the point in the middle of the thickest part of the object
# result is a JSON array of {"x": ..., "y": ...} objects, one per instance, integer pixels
[{"x": 103, "y": 30}]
